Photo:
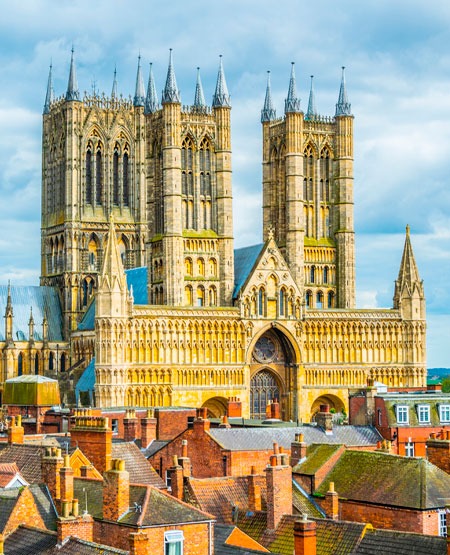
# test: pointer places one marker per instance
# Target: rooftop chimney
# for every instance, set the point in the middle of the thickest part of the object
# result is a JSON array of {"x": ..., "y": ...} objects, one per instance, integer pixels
[
  {"x": 305, "y": 537},
  {"x": 15, "y": 430},
  {"x": 254, "y": 492},
  {"x": 148, "y": 428},
  {"x": 298, "y": 449},
  {"x": 116, "y": 491},
  {"x": 93, "y": 436},
  {"x": 279, "y": 489},
  {"x": 324, "y": 418},
  {"x": 331, "y": 503},
  {"x": 130, "y": 425}
]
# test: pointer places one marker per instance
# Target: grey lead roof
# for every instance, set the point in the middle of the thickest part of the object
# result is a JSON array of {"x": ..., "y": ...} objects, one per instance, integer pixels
[
  {"x": 251, "y": 439},
  {"x": 244, "y": 261},
  {"x": 42, "y": 301}
]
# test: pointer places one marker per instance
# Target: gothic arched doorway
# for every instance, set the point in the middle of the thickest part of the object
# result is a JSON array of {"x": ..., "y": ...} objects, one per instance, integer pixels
[
  {"x": 217, "y": 407},
  {"x": 263, "y": 389}
]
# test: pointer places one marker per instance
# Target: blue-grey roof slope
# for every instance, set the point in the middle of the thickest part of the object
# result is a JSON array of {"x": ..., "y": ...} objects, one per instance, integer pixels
[
  {"x": 244, "y": 261},
  {"x": 42, "y": 301},
  {"x": 87, "y": 380}
]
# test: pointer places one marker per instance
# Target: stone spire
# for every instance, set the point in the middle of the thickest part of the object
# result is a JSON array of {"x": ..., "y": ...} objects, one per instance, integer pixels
[
  {"x": 343, "y": 106},
  {"x": 31, "y": 326},
  {"x": 409, "y": 293},
  {"x": 151, "y": 102},
  {"x": 114, "y": 87},
  {"x": 221, "y": 97},
  {"x": 50, "y": 96},
  {"x": 312, "y": 111},
  {"x": 9, "y": 317},
  {"x": 171, "y": 94},
  {"x": 112, "y": 261},
  {"x": 72, "y": 87},
  {"x": 199, "y": 99},
  {"x": 268, "y": 112},
  {"x": 292, "y": 102},
  {"x": 139, "y": 94}
]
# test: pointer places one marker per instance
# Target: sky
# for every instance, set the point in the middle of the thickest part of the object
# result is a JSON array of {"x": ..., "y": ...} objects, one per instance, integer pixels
[{"x": 397, "y": 59}]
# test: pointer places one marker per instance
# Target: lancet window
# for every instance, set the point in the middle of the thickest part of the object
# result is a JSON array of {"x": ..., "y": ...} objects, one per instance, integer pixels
[{"x": 187, "y": 182}]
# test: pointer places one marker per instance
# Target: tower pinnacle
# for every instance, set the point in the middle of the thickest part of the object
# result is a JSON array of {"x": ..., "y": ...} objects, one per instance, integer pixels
[
  {"x": 49, "y": 97},
  {"x": 72, "y": 87},
  {"x": 114, "y": 87},
  {"x": 199, "y": 99},
  {"x": 151, "y": 102},
  {"x": 312, "y": 112},
  {"x": 292, "y": 102},
  {"x": 171, "y": 94},
  {"x": 139, "y": 95},
  {"x": 221, "y": 97},
  {"x": 343, "y": 106},
  {"x": 268, "y": 112}
]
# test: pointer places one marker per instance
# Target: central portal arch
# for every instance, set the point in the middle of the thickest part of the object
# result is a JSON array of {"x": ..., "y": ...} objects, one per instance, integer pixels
[{"x": 264, "y": 389}]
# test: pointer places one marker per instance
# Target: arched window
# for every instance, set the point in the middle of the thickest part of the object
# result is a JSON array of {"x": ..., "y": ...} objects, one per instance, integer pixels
[
  {"x": 125, "y": 180},
  {"x": 63, "y": 362},
  {"x": 261, "y": 299},
  {"x": 84, "y": 288},
  {"x": 200, "y": 296},
  {"x": 200, "y": 267},
  {"x": 98, "y": 177},
  {"x": 188, "y": 266},
  {"x": 212, "y": 267},
  {"x": 116, "y": 176},
  {"x": 123, "y": 252},
  {"x": 188, "y": 295},
  {"x": 325, "y": 274},
  {"x": 36, "y": 364},
  {"x": 20, "y": 365},
  {"x": 330, "y": 299},
  {"x": 319, "y": 299},
  {"x": 51, "y": 361},
  {"x": 89, "y": 176},
  {"x": 187, "y": 181},
  {"x": 308, "y": 298},
  {"x": 312, "y": 274},
  {"x": 282, "y": 300},
  {"x": 92, "y": 253},
  {"x": 205, "y": 168},
  {"x": 212, "y": 301},
  {"x": 263, "y": 389}
]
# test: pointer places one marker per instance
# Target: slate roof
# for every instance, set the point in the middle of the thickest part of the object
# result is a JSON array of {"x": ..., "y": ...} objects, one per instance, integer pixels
[
  {"x": 139, "y": 468},
  {"x": 221, "y": 534},
  {"x": 75, "y": 546},
  {"x": 257, "y": 439},
  {"x": 42, "y": 300},
  {"x": 26, "y": 540},
  {"x": 154, "y": 447},
  {"x": 87, "y": 380},
  {"x": 412, "y": 400},
  {"x": 44, "y": 504},
  {"x": 27, "y": 457},
  {"x": 218, "y": 496},
  {"x": 392, "y": 542},
  {"x": 381, "y": 478},
  {"x": 244, "y": 260}
]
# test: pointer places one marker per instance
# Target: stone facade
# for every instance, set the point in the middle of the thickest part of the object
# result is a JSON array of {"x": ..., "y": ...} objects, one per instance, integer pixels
[{"x": 276, "y": 321}]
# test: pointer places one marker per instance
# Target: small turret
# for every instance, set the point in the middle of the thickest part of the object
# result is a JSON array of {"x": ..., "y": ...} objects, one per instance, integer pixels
[
  {"x": 199, "y": 99},
  {"x": 9, "y": 318},
  {"x": 221, "y": 97},
  {"x": 139, "y": 94},
  {"x": 50, "y": 96},
  {"x": 31, "y": 326},
  {"x": 72, "y": 87},
  {"x": 268, "y": 112},
  {"x": 171, "y": 94},
  {"x": 114, "y": 86},
  {"x": 409, "y": 296},
  {"x": 343, "y": 106},
  {"x": 292, "y": 102},
  {"x": 151, "y": 102},
  {"x": 312, "y": 111}
]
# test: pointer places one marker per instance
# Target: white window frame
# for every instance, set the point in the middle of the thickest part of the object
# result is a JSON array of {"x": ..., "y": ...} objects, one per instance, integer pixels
[
  {"x": 402, "y": 414},
  {"x": 442, "y": 522},
  {"x": 444, "y": 409},
  {"x": 409, "y": 449},
  {"x": 424, "y": 410},
  {"x": 173, "y": 537}
]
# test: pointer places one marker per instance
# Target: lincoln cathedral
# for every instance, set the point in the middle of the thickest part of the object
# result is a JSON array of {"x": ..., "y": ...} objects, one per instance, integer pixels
[{"x": 141, "y": 286}]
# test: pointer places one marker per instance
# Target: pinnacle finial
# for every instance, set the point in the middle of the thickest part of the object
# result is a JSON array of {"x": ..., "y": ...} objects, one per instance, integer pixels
[
  {"x": 268, "y": 112},
  {"x": 114, "y": 87},
  {"x": 171, "y": 94},
  {"x": 72, "y": 87},
  {"x": 221, "y": 98},
  {"x": 407, "y": 230},
  {"x": 139, "y": 95},
  {"x": 292, "y": 102},
  {"x": 312, "y": 112},
  {"x": 343, "y": 106},
  {"x": 151, "y": 102},
  {"x": 50, "y": 96},
  {"x": 199, "y": 99}
]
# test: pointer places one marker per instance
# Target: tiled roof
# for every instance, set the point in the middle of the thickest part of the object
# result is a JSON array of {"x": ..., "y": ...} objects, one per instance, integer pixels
[
  {"x": 139, "y": 468},
  {"x": 390, "y": 542},
  {"x": 381, "y": 478},
  {"x": 316, "y": 456},
  {"x": 154, "y": 447},
  {"x": 244, "y": 260},
  {"x": 7, "y": 473},
  {"x": 8, "y": 500},
  {"x": 218, "y": 496},
  {"x": 27, "y": 457},
  {"x": 26, "y": 540},
  {"x": 75, "y": 546},
  {"x": 305, "y": 504},
  {"x": 44, "y": 504},
  {"x": 412, "y": 400},
  {"x": 249, "y": 439},
  {"x": 221, "y": 534},
  {"x": 43, "y": 301}
]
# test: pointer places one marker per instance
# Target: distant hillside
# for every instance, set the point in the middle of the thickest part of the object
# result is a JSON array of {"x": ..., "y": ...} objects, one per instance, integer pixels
[{"x": 439, "y": 372}]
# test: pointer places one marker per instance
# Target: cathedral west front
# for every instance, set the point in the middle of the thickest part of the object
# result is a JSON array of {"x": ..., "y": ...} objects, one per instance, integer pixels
[{"x": 137, "y": 239}]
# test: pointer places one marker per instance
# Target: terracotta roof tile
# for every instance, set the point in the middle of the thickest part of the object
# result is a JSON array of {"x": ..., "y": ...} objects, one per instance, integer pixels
[
  {"x": 139, "y": 468},
  {"x": 26, "y": 540},
  {"x": 27, "y": 458},
  {"x": 389, "y": 542}
]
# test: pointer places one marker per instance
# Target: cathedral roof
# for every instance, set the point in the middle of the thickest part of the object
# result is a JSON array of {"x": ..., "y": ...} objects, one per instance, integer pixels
[
  {"x": 43, "y": 301},
  {"x": 244, "y": 261},
  {"x": 87, "y": 380}
]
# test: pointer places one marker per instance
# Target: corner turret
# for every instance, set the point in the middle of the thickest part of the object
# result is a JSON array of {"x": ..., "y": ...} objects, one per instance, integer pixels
[
  {"x": 312, "y": 111},
  {"x": 221, "y": 98},
  {"x": 199, "y": 98},
  {"x": 49, "y": 97},
  {"x": 151, "y": 102},
  {"x": 292, "y": 102},
  {"x": 139, "y": 94},
  {"x": 343, "y": 106},
  {"x": 72, "y": 88},
  {"x": 268, "y": 112},
  {"x": 171, "y": 94},
  {"x": 114, "y": 86}
]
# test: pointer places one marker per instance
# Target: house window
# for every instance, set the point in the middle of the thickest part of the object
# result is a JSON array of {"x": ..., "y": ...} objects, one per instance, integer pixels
[
  {"x": 173, "y": 542},
  {"x": 443, "y": 523},
  {"x": 115, "y": 426},
  {"x": 168, "y": 480},
  {"x": 423, "y": 412},
  {"x": 380, "y": 417},
  {"x": 444, "y": 413},
  {"x": 409, "y": 449},
  {"x": 402, "y": 414}
]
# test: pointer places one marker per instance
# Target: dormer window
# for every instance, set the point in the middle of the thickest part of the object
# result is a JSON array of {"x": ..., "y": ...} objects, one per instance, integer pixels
[
  {"x": 402, "y": 413},
  {"x": 423, "y": 413},
  {"x": 444, "y": 413}
]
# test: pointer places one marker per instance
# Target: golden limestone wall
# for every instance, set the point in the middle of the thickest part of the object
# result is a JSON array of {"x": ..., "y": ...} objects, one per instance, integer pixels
[{"x": 168, "y": 356}]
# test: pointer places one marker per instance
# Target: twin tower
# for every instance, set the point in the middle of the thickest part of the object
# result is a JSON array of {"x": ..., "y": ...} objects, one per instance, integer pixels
[{"x": 162, "y": 171}]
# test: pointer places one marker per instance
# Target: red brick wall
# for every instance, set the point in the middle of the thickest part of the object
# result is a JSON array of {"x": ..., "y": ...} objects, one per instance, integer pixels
[
  {"x": 79, "y": 527},
  {"x": 239, "y": 463},
  {"x": 357, "y": 410},
  {"x": 438, "y": 453},
  {"x": 172, "y": 422},
  {"x": 24, "y": 512}
]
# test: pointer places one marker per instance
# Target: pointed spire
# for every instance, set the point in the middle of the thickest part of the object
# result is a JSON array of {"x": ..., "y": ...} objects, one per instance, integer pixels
[
  {"x": 50, "y": 96},
  {"x": 221, "y": 97},
  {"x": 114, "y": 87},
  {"x": 151, "y": 102},
  {"x": 343, "y": 106},
  {"x": 408, "y": 272},
  {"x": 72, "y": 87},
  {"x": 292, "y": 102},
  {"x": 112, "y": 262},
  {"x": 268, "y": 112},
  {"x": 171, "y": 94},
  {"x": 139, "y": 94},
  {"x": 9, "y": 308},
  {"x": 199, "y": 99},
  {"x": 312, "y": 112}
]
